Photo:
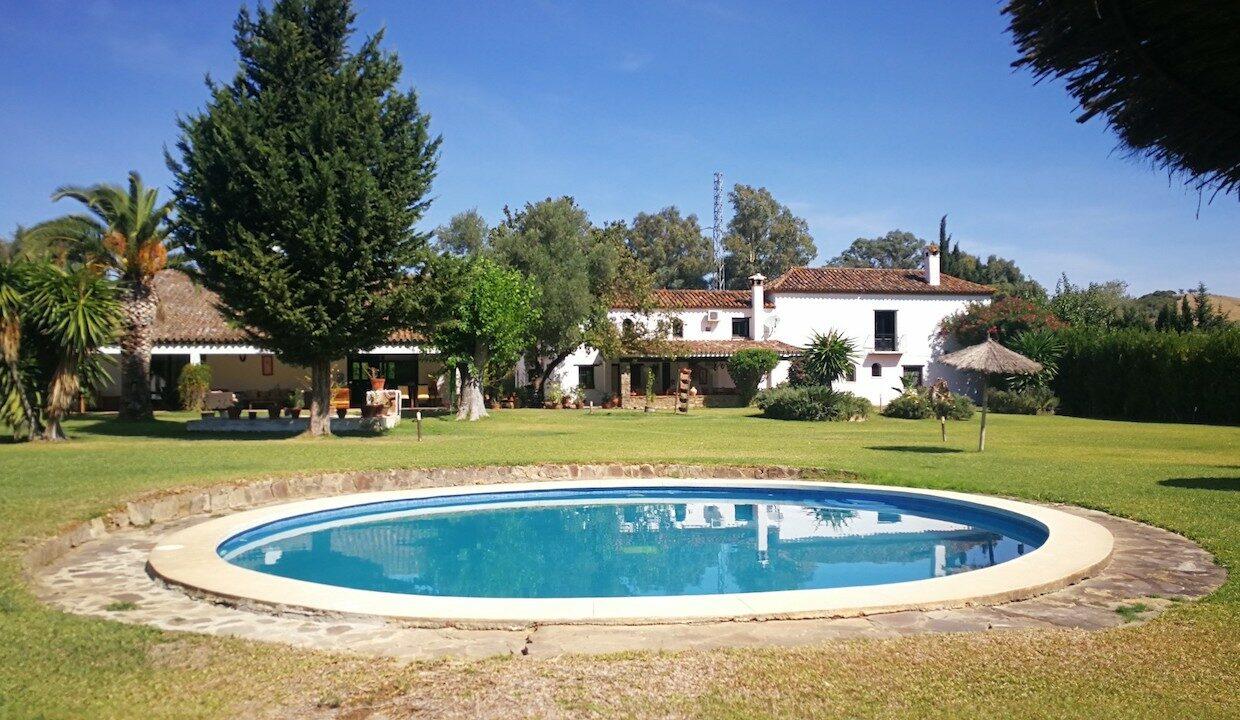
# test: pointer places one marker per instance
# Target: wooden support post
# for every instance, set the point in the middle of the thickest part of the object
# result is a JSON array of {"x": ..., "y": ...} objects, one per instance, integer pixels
[
  {"x": 981, "y": 437},
  {"x": 418, "y": 416},
  {"x": 682, "y": 392}
]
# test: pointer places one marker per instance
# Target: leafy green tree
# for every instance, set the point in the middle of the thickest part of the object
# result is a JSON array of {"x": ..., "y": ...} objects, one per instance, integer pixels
[
  {"x": 1002, "y": 274},
  {"x": 1098, "y": 305},
  {"x": 299, "y": 186},
  {"x": 1205, "y": 315},
  {"x": 827, "y": 358},
  {"x": 747, "y": 368},
  {"x": 491, "y": 315},
  {"x": 464, "y": 235},
  {"x": 763, "y": 237},
  {"x": 125, "y": 231},
  {"x": 896, "y": 249},
  {"x": 553, "y": 243},
  {"x": 672, "y": 248},
  {"x": 78, "y": 311}
]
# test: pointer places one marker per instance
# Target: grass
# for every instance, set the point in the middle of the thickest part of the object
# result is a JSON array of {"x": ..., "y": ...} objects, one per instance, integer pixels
[
  {"x": 1133, "y": 612},
  {"x": 1183, "y": 664}
]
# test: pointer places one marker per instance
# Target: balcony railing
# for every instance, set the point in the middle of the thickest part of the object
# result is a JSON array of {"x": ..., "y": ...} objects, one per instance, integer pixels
[{"x": 884, "y": 343}]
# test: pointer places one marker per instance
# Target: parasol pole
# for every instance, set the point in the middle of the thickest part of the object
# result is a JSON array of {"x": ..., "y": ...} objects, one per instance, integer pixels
[{"x": 981, "y": 438}]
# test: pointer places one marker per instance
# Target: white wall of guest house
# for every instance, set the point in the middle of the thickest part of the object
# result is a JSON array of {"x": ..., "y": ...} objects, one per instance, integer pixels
[
  {"x": 696, "y": 327},
  {"x": 918, "y": 342}
]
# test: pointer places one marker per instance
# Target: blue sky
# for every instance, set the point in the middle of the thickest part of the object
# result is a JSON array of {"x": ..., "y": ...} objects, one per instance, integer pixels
[{"x": 863, "y": 117}]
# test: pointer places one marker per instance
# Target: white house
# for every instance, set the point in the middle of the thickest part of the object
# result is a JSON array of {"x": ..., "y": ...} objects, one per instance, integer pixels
[{"x": 892, "y": 316}]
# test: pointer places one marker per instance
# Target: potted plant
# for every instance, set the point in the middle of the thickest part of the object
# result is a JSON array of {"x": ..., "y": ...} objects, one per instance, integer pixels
[
  {"x": 579, "y": 398},
  {"x": 253, "y": 414},
  {"x": 295, "y": 401},
  {"x": 342, "y": 412},
  {"x": 377, "y": 381}
]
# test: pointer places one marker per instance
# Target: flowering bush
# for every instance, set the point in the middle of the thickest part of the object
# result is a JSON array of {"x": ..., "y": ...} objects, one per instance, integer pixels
[{"x": 1007, "y": 317}]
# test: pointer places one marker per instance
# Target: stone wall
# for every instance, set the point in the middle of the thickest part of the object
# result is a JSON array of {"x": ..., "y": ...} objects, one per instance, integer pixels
[{"x": 164, "y": 507}]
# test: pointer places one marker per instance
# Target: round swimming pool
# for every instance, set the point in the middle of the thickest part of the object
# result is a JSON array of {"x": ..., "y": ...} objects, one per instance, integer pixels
[
  {"x": 635, "y": 542},
  {"x": 634, "y": 550}
]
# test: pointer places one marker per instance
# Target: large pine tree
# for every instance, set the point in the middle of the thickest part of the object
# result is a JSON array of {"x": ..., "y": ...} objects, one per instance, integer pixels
[{"x": 298, "y": 188}]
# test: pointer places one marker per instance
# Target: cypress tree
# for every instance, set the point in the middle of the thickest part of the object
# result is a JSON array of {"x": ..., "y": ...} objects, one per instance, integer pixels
[{"x": 298, "y": 188}]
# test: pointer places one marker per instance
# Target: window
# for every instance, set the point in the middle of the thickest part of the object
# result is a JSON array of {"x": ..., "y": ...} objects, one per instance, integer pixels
[
  {"x": 678, "y": 327},
  {"x": 627, "y": 326},
  {"x": 269, "y": 364},
  {"x": 876, "y": 370},
  {"x": 851, "y": 373},
  {"x": 740, "y": 327},
  {"x": 585, "y": 377},
  {"x": 885, "y": 330},
  {"x": 915, "y": 373}
]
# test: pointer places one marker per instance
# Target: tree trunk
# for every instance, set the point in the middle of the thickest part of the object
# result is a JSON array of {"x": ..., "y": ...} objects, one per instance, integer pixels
[
  {"x": 60, "y": 394},
  {"x": 472, "y": 406},
  {"x": 539, "y": 381},
  {"x": 320, "y": 398},
  {"x": 139, "y": 306},
  {"x": 981, "y": 435}
]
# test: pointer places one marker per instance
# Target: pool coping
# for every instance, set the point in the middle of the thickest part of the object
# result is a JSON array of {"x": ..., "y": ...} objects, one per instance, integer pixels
[{"x": 1075, "y": 549}]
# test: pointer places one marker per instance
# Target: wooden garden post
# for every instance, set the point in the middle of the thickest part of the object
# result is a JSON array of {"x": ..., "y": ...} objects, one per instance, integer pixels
[{"x": 981, "y": 438}]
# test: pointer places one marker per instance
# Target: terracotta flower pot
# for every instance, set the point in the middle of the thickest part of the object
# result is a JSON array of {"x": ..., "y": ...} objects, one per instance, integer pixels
[
  {"x": 341, "y": 412},
  {"x": 273, "y": 413},
  {"x": 253, "y": 414},
  {"x": 378, "y": 383},
  {"x": 295, "y": 412}
]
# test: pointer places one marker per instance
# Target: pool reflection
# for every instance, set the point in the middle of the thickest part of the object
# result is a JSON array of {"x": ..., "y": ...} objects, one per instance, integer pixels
[{"x": 630, "y": 548}]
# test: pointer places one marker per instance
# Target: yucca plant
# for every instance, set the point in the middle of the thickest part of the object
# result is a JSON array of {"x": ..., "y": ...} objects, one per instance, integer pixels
[
  {"x": 16, "y": 410},
  {"x": 78, "y": 311},
  {"x": 125, "y": 233},
  {"x": 827, "y": 358}
]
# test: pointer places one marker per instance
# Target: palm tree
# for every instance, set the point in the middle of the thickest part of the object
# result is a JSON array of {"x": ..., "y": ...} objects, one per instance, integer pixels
[
  {"x": 828, "y": 358},
  {"x": 78, "y": 310},
  {"x": 16, "y": 410},
  {"x": 124, "y": 233}
]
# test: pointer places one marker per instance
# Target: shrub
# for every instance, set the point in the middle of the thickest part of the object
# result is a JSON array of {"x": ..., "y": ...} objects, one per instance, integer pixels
[
  {"x": 918, "y": 404},
  {"x": 747, "y": 368},
  {"x": 1151, "y": 375},
  {"x": 813, "y": 402},
  {"x": 192, "y": 386},
  {"x": 909, "y": 406},
  {"x": 826, "y": 359},
  {"x": 1008, "y": 317},
  {"x": 1043, "y": 346},
  {"x": 1032, "y": 401}
]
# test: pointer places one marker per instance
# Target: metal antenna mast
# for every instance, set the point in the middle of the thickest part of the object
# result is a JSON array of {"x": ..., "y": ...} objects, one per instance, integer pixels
[{"x": 716, "y": 233}]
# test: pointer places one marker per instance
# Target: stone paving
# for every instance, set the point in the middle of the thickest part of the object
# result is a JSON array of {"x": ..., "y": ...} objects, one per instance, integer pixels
[{"x": 107, "y": 578}]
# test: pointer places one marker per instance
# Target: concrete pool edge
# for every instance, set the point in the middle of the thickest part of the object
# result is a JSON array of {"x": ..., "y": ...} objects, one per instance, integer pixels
[{"x": 1075, "y": 548}]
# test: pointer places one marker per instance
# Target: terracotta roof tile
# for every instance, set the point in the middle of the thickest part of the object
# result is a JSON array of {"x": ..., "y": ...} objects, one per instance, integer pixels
[
  {"x": 871, "y": 281},
  {"x": 188, "y": 316},
  {"x": 667, "y": 299},
  {"x": 724, "y": 348}
]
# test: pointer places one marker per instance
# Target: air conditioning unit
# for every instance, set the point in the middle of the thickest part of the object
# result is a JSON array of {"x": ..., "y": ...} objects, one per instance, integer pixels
[{"x": 712, "y": 316}]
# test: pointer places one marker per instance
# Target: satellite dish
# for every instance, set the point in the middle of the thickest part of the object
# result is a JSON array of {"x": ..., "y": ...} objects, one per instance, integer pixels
[{"x": 768, "y": 326}]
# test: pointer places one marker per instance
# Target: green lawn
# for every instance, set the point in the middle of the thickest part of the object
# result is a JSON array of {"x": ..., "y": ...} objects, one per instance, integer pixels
[{"x": 1185, "y": 664}]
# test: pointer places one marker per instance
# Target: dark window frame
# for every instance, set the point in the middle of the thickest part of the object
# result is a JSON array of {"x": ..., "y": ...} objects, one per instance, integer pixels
[
  {"x": 586, "y": 377},
  {"x": 885, "y": 339},
  {"x": 743, "y": 322},
  {"x": 906, "y": 370},
  {"x": 876, "y": 370},
  {"x": 678, "y": 328}
]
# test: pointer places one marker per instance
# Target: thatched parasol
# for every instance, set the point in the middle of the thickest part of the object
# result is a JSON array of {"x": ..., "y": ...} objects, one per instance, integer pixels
[{"x": 990, "y": 358}]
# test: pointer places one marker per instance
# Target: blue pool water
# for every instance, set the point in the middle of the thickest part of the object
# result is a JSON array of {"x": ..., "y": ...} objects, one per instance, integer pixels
[{"x": 632, "y": 542}]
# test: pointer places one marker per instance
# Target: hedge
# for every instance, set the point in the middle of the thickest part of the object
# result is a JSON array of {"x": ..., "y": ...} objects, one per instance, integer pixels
[{"x": 1151, "y": 375}]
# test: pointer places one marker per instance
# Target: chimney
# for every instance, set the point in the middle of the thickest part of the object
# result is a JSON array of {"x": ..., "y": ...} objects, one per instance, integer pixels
[
  {"x": 758, "y": 305},
  {"x": 932, "y": 264}
]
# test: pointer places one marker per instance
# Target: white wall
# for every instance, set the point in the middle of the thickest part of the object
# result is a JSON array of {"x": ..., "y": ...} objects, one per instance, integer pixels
[{"x": 917, "y": 332}]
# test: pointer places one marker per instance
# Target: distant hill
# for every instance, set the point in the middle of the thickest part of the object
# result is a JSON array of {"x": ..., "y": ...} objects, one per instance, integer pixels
[{"x": 1229, "y": 305}]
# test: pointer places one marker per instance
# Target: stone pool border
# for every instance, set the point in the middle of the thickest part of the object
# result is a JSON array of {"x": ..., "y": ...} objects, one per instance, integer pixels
[{"x": 1075, "y": 548}]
